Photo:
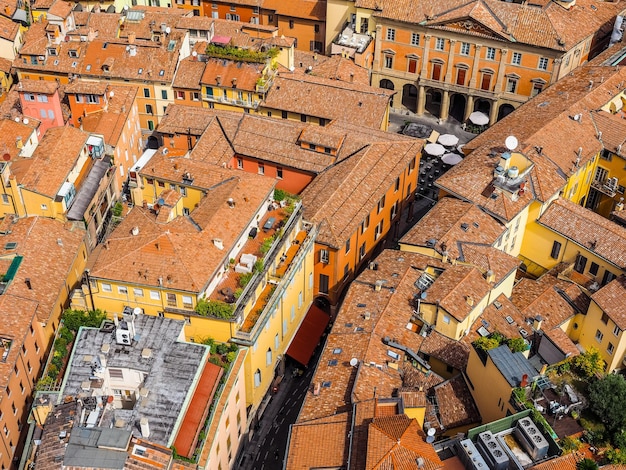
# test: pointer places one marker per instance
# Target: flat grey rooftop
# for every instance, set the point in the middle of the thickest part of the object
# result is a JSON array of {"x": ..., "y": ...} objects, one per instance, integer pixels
[
  {"x": 88, "y": 446},
  {"x": 89, "y": 188},
  {"x": 170, "y": 371},
  {"x": 513, "y": 366}
]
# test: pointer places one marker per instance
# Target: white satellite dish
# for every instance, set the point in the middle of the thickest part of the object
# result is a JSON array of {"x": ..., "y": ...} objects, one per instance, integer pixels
[
  {"x": 194, "y": 53},
  {"x": 431, "y": 431},
  {"x": 511, "y": 142},
  {"x": 111, "y": 94},
  {"x": 430, "y": 439},
  {"x": 168, "y": 30},
  {"x": 137, "y": 311},
  {"x": 354, "y": 361},
  {"x": 25, "y": 120}
]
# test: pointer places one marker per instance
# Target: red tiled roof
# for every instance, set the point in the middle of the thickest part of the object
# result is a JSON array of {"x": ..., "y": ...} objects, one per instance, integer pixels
[
  {"x": 198, "y": 410},
  {"x": 611, "y": 299},
  {"x": 308, "y": 336}
]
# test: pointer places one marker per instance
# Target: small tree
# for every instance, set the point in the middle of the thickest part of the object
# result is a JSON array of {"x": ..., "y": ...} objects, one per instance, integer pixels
[
  {"x": 517, "y": 344},
  {"x": 587, "y": 464},
  {"x": 608, "y": 401},
  {"x": 215, "y": 308},
  {"x": 74, "y": 319},
  {"x": 485, "y": 343},
  {"x": 589, "y": 363}
]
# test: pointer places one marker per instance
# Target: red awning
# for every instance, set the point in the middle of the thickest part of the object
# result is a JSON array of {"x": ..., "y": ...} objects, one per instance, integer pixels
[
  {"x": 308, "y": 335},
  {"x": 198, "y": 410}
]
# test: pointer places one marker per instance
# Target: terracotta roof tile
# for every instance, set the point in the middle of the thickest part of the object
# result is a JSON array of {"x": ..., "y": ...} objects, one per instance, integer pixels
[
  {"x": 8, "y": 29},
  {"x": 397, "y": 442},
  {"x": 452, "y": 221},
  {"x": 501, "y": 316},
  {"x": 61, "y": 9},
  {"x": 333, "y": 68},
  {"x": 244, "y": 74},
  {"x": 307, "y": 439},
  {"x": 611, "y": 300},
  {"x": 38, "y": 86},
  {"x": 613, "y": 128},
  {"x": 9, "y": 132},
  {"x": 189, "y": 74},
  {"x": 551, "y": 27},
  {"x": 548, "y": 297},
  {"x": 588, "y": 229},
  {"x": 53, "y": 159},
  {"x": 342, "y": 196},
  {"x": 169, "y": 251},
  {"x": 487, "y": 258},
  {"x": 456, "y": 405},
  {"x": 447, "y": 350},
  {"x": 560, "y": 339},
  {"x": 458, "y": 290},
  {"x": 299, "y": 93}
]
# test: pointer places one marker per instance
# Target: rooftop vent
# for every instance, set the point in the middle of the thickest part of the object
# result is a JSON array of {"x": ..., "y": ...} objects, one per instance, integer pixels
[
  {"x": 146, "y": 353},
  {"x": 231, "y": 202}
]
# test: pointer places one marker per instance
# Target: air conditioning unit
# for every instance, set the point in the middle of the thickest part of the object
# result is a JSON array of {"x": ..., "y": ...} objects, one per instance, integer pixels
[
  {"x": 123, "y": 337},
  {"x": 531, "y": 439},
  {"x": 492, "y": 451}
]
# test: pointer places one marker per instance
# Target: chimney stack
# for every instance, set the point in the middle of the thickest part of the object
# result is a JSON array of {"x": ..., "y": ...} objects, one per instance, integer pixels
[{"x": 145, "y": 427}]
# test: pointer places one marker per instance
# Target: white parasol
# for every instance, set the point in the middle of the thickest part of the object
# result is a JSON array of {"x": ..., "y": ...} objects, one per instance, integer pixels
[
  {"x": 479, "y": 118},
  {"x": 448, "y": 140},
  {"x": 434, "y": 149},
  {"x": 451, "y": 158}
]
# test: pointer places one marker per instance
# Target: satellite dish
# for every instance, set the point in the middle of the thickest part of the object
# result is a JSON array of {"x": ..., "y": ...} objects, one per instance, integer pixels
[
  {"x": 137, "y": 311},
  {"x": 194, "y": 53},
  {"x": 430, "y": 439},
  {"x": 354, "y": 361},
  {"x": 25, "y": 120},
  {"x": 168, "y": 30},
  {"x": 17, "y": 119},
  {"x": 111, "y": 94},
  {"x": 431, "y": 431},
  {"x": 511, "y": 142}
]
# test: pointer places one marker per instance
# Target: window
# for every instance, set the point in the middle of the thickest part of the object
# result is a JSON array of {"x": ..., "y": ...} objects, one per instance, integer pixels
[
  {"x": 391, "y": 34},
  {"x": 511, "y": 85},
  {"x": 461, "y": 76},
  {"x": 146, "y": 92},
  {"x": 362, "y": 251},
  {"x": 394, "y": 210},
  {"x": 516, "y": 59},
  {"x": 599, "y": 336},
  {"x": 324, "y": 256},
  {"x": 240, "y": 163},
  {"x": 187, "y": 301},
  {"x": 605, "y": 318},
  {"x": 42, "y": 98},
  {"x": 138, "y": 292},
  {"x": 537, "y": 88},
  {"x": 446, "y": 319},
  {"x": 5, "y": 199},
  {"x": 439, "y": 44},
  {"x": 465, "y": 48},
  {"x": 381, "y": 204},
  {"x": 149, "y": 109},
  {"x": 276, "y": 342},
  {"x": 164, "y": 94},
  {"x": 92, "y": 99},
  {"x": 323, "y": 284},
  {"x": 616, "y": 332},
  {"x": 122, "y": 290},
  {"x": 397, "y": 185},
  {"x": 196, "y": 96},
  {"x": 543, "y": 63},
  {"x": 556, "y": 249},
  {"x": 268, "y": 357},
  {"x": 580, "y": 263},
  {"x": 257, "y": 378},
  {"x": 365, "y": 224},
  {"x": 155, "y": 295},
  {"x": 261, "y": 169},
  {"x": 6, "y": 430},
  {"x": 293, "y": 312},
  {"x": 491, "y": 53},
  {"x": 171, "y": 299},
  {"x": 284, "y": 114},
  {"x": 279, "y": 172},
  {"x": 180, "y": 95},
  {"x": 348, "y": 246},
  {"x": 379, "y": 230},
  {"x": 291, "y": 24},
  {"x": 316, "y": 28},
  {"x": 608, "y": 277},
  {"x": 412, "y": 66},
  {"x": 106, "y": 287},
  {"x": 593, "y": 269},
  {"x": 29, "y": 97},
  {"x": 436, "y": 72},
  {"x": 233, "y": 7},
  {"x": 610, "y": 348},
  {"x": 388, "y": 61},
  {"x": 364, "y": 25},
  {"x": 415, "y": 39},
  {"x": 300, "y": 299},
  {"x": 303, "y": 117}
]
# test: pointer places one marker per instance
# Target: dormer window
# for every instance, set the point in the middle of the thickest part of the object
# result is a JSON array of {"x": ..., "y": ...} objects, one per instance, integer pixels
[
  {"x": 52, "y": 51},
  {"x": 73, "y": 53},
  {"x": 105, "y": 68}
]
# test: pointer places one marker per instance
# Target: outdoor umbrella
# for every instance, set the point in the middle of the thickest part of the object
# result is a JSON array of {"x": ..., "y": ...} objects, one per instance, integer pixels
[
  {"x": 479, "y": 118},
  {"x": 451, "y": 158},
  {"x": 434, "y": 149},
  {"x": 448, "y": 140}
]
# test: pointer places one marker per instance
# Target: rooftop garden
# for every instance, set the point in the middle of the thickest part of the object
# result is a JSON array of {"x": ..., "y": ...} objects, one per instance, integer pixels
[
  {"x": 242, "y": 55},
  {"x": 601, "y": 413},
  {"x": 71, "y": 321}
]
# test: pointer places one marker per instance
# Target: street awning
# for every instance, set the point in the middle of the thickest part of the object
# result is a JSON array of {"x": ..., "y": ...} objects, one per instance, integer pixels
[{"x": 308, "y": 336}]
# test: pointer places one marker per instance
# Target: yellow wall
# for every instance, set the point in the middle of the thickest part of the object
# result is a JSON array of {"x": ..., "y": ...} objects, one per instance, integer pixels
[
  {"x": 537, "y": 247},
  {"x": 578, "y": 184},
  {"x": 489, "y": 388},
  {"x": 600, "y": 335},
  {"x": 616, "y": 168}
]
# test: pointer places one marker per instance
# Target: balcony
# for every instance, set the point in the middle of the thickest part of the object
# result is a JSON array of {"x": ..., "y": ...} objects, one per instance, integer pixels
[
  {"x": 607, "y": 187},
  {"x": 233, "y": 102}
]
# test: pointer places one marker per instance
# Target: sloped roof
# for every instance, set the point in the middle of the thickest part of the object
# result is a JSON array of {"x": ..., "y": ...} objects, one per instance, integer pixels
[
  {"x": 512, "y": 366},
  {"x": 588, "y": 229},
  {"x": 611, "y": 299}
]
